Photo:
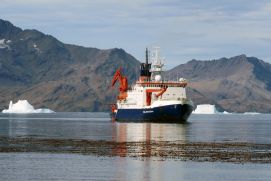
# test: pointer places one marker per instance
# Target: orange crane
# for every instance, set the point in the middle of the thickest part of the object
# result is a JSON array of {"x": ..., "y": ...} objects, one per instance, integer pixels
[{"x": 123, "y": 84}]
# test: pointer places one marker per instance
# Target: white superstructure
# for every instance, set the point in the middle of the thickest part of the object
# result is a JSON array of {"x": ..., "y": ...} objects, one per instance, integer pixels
[{"x": 151, "y": 90}]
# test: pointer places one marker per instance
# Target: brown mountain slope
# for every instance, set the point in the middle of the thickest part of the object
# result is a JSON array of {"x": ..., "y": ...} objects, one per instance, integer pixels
[
  {"x": 62, "y": 77},
  {"x": 237, "y": 84}
]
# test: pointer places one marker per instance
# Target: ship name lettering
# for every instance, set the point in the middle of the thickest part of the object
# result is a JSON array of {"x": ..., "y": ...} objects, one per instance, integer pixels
[{"x": 147, "y": 111}]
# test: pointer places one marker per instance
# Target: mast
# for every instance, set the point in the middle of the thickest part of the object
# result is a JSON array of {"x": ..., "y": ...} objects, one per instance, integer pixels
[
  {"x": 157, "y": 64},
  {"x": 147, "y": 56},
  {"x": 145, "y": 74}
]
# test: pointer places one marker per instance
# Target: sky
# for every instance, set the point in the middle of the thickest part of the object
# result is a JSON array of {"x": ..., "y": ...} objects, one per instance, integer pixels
[{"x": 184, "y": 29}]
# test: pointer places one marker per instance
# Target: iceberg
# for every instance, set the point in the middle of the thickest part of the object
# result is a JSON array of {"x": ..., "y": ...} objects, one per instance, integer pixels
[
  {"x": 211, "y": 109},
  {"x": 252, "y": 113},
  {"x": 23, "y": 106},
  {"x": 225, "y": 112},
  {"x": 205, "y": 109}
]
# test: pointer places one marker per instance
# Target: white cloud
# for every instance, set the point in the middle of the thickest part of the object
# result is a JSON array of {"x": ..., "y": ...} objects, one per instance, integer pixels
[{"x": 184, "y": 29}]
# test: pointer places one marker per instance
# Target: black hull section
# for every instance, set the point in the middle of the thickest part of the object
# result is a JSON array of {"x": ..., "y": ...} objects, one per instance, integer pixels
[{"x": 165, "y": 114}]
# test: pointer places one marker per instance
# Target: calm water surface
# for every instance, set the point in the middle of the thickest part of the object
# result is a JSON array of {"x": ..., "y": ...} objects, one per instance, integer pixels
[
  {"x": 97, "y": 126},
  {"x": 35, "y": 166}
]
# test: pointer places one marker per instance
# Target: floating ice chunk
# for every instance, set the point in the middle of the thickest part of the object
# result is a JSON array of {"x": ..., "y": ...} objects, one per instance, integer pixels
[
  {"x": 252, "y": 113},
  {"x": 211, "y": 109},
  {"x": 225, "y": 112},
  {"x": 205, "y": 109},
  {"x": 23, "y": 106},
  {"x": 44, "y": 111}
]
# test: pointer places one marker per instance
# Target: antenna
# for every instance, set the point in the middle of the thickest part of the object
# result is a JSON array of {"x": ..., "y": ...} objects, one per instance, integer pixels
[{"x": 157, "y": 61}]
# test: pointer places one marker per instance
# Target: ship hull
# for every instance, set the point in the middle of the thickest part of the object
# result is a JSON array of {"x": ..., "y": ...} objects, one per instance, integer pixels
[{"x": 177, "y": 113}]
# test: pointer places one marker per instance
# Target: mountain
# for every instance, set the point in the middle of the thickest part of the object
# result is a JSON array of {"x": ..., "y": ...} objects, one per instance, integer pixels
[
  {"x": 237, "y": 84},
  {"x": 62, "y": 77}
]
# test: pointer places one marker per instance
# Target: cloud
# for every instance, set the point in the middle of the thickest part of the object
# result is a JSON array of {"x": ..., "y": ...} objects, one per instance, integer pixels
[{"x": 184, "y": 29}]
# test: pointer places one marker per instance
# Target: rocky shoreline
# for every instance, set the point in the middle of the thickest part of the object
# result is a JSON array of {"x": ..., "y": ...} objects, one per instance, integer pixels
[{"x": 194, "y": 151}]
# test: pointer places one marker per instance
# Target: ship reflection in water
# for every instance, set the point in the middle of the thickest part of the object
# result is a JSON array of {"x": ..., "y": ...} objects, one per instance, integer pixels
[{"x": 147, "y": 135}]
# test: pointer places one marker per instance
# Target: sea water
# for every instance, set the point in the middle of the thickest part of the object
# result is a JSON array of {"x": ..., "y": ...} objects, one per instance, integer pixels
[{"x": 98, "y": 126}]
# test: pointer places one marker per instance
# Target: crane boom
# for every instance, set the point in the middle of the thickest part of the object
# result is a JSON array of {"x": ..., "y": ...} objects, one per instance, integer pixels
[{"x": 123, "y": 84}]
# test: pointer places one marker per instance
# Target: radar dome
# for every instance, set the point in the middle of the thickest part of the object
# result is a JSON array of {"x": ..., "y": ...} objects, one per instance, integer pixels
[
  {"x": 157, "y": 78},
  {"x": 182, "y": 79}
]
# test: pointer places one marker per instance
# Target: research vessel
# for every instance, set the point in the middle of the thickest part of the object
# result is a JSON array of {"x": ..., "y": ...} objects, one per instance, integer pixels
[{"x": 152, "y": 98}]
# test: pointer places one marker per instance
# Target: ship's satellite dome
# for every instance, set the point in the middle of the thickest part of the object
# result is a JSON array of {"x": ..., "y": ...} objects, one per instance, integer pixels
[
  {"x": 157, "y": 78},
  {"x": 182, "y": 79}
]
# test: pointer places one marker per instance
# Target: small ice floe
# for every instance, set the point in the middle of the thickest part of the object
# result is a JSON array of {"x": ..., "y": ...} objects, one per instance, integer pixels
[
  {"x": 211, "y": 109},
  {"x": 252, "y": 113},
  {"x": 205, "y": 109},
  {"x": 225, "y": 112},
  {"x": 23, "y": 106}
]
